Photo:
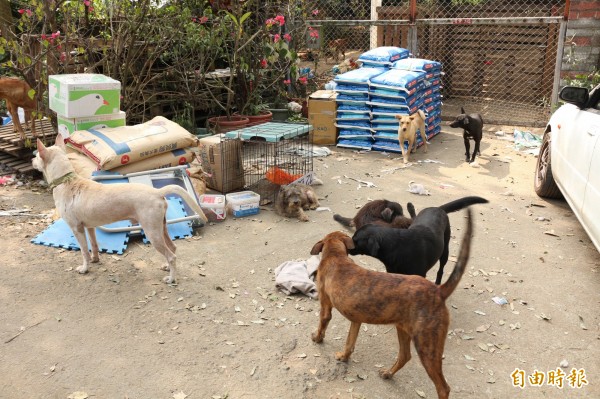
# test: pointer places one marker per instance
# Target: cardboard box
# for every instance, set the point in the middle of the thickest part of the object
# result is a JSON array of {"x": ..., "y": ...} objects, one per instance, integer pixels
[
  {"x": 221, "y": 158},
  {"x": 84, "y": 94},
  {"x": 66, "y": 126},
  {"x": 321, "y": 115}
]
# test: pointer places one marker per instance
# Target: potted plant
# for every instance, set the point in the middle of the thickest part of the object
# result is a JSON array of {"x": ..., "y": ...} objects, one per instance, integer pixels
[{"x": 260, "y": 55}]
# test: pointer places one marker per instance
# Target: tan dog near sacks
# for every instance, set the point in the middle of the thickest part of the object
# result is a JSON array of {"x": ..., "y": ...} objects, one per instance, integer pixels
[
  {"x": 407, "y": 131},
  {"x": 85, "y": 204},
  {"x": 415, "y": 305}
]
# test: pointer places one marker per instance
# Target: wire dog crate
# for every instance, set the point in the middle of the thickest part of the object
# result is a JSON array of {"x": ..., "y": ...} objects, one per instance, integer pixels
[{"x": 264, "y": 157}]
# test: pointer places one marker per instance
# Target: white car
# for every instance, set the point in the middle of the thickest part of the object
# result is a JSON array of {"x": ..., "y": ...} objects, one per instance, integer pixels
[{"x": 569, "y": 161}]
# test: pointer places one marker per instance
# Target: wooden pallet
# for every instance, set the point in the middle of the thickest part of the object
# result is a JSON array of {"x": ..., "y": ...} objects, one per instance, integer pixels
[{"x": 16, "y": 153}]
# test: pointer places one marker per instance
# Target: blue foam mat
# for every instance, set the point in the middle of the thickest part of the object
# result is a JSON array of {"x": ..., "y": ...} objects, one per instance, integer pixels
[
  {"x": 59, "y": 235},
  {"x": 176, "y": 210}
]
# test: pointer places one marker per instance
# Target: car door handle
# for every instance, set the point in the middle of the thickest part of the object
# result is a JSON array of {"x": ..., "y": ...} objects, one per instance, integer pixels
[{"x": 593, "y": 131}]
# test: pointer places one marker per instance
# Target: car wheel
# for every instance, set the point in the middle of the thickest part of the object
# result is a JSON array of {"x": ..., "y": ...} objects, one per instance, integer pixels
[{"x": 544, "y": 183}]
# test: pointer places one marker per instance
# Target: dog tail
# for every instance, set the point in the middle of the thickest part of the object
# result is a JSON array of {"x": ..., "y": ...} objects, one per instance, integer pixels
[
  {"x": 461, "y": 203},
  {"x": 348, "y": 222},
  {"x": 175, "y": 189},
  {"x": 461, "y": 263}
]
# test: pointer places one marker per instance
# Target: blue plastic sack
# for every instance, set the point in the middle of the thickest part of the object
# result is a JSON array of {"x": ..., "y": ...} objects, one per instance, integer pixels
[
  {"x": 355, "y": 134},
  {"x": 383, "y": 56},
  {"x": 360, "y": 76},
  {"x": 352, "y": 115},
  {"x": 398, "y": 79},
  {"x": 417, "y": 64},
  {"x": 355, "y": 143}
]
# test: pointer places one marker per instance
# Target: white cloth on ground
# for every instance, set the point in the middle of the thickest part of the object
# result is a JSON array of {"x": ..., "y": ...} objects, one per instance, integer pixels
[{"x": 295, "y": 276}]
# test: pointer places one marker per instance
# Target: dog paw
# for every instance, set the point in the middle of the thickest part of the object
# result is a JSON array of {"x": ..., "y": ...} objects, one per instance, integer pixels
[
  {"x": 168, "y": 280},
  {"x": 385, "y": 374},
  {"x": 316, "y": 338},
  {"x": 95, "y": 259},
  {"x": 83, "y": 269},
  {"x": 341, "y": 356}
]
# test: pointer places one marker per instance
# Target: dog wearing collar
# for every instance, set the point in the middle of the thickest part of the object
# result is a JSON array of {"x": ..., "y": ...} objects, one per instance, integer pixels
[
  {"x": 413, "y": 304},
  {"x": 85, "y": 204},
  {"x": 407, "y": 131}
]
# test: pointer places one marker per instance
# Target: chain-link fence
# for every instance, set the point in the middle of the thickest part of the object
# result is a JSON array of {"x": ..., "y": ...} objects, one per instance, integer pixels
[{"x": 499, "y": 57}]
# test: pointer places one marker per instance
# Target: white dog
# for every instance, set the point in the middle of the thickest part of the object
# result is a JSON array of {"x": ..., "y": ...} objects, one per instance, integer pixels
[{"x": 85, "y": 204}]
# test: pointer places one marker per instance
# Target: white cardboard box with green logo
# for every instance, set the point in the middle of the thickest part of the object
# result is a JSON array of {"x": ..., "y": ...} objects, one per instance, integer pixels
[
  {"x": 66, "y": 126},
  {"x": 84, "y": 94}
]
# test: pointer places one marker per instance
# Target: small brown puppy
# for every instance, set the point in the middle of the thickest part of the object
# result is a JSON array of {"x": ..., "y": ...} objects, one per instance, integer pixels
[
  {"x": 407, "y": 131},
  {"x": 16, "y": 94},
  {"x": 293, "y": 199},
  {"x": 416, "y": 306},
  {"x": 383, "y": 212}
]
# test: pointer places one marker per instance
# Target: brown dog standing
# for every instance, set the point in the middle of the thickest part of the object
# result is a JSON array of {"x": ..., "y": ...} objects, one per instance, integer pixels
[
  {"x": 407, "y": 131},
  {"x": 380, "y": 211},
  {"x": 16, "y": 94},
  {"x": 416, "y": 306}
]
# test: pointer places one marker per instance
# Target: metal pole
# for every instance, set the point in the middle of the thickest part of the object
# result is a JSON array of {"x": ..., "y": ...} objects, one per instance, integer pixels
[{"x": 558, "y": 66}]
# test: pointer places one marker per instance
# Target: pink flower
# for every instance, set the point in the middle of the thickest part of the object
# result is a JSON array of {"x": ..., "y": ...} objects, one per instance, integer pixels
[
  {"x": 313, "y": 33},
  {"x": 276, "y": 37},
  {"x": 86, "y": 2},
  {"x": 270, "y": 22},
  {"x": 44, "y": 36},
  {"x": 303, "y": 80},
  {"x": 287, "y": 37},
  {"x": 263, "y": 63},
  {"x": 63, "y": 56},
  {"x": 203, "y": 20},
  {"x": 56, "y": 34},
  {"x": 287, "y": 82},
  {"x": 315, "y": 12},
  {"x": 280, "y": 19},
  {"x": 21, "y": 11},
  {"x": 29, "y": 13}
]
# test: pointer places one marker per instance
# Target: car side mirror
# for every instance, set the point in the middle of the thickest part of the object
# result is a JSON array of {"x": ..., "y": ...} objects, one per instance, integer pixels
[{"x": 575, "y": 95}]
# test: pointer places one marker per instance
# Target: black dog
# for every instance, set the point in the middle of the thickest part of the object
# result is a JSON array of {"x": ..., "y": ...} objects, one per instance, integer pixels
[
  {"x": 382, "y": 212},
  {"x": 472, "y": 126},
  {"x": 416, "y": 249}
]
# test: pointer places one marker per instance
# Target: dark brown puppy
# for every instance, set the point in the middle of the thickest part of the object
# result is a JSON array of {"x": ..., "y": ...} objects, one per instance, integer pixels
[
  {"x": 413, "y": 304},
  {"x": 383, "y": 212},
  {"x": 414, "y": 250}
]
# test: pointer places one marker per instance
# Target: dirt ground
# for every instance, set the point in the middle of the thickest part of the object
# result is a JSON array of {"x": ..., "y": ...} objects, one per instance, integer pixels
[{"x": 225, "y": 331}]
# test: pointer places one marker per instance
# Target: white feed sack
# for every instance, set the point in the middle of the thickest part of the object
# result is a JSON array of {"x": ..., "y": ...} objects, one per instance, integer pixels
[{"x": 110, "y": 148}]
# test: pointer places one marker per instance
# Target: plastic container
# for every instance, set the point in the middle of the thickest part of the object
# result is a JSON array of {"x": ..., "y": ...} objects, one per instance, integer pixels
[
  {"x": 244, "y": 203},
  {"x": 213, "y": 206}
]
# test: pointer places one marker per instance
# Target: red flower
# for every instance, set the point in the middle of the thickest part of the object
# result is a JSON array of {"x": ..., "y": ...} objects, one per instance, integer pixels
[
  {"x": 263, "y": 63},
  {"x": 287, "y": 37},
  {"x": 21, "y": 11},
  {"x": 276, "y": 38},
  {"x": 203, "y": 20},
  {"x": 303, "y": 80},
  {"x": 287, "y": 82},
  {"x": 280, "y": 19},
  {"x": 315, "y": 12}
]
